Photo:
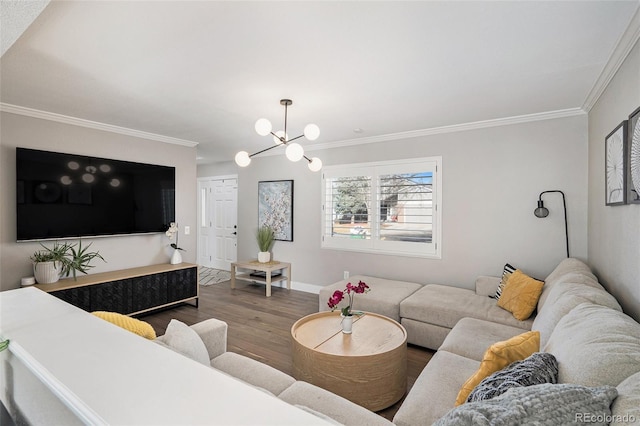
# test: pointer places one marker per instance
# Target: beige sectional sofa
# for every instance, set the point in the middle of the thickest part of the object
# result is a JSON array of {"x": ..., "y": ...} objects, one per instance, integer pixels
[{"x": 581, "y": 324}]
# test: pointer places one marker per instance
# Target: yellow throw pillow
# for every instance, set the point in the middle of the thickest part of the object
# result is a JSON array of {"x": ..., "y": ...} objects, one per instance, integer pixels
[
  {"x": 520, "y": 295},
  {"x": 498, "y": 356},
  {"x": 133, "y": 325}
]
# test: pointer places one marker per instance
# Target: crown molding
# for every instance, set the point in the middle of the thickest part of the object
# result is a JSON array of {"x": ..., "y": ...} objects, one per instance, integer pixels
[
  {"x": 626, "y": 42},
  {"x": 65, "y": 119},
  {"x": 550, "y": 115}
]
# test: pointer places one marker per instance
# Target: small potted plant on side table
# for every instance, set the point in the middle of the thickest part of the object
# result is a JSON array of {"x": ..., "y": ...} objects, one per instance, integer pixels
[{"x": 265, "y": 238}]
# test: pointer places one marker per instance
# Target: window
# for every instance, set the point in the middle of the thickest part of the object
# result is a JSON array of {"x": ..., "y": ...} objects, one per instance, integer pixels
[{"x": 390, "y": 207}]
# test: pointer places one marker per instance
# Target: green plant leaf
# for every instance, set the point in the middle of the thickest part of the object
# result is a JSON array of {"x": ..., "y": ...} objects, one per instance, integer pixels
[{"x": 265, "y": 238}]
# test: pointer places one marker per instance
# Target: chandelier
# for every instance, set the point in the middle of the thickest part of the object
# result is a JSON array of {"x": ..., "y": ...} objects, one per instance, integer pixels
[{"x": 293, "y": 151}]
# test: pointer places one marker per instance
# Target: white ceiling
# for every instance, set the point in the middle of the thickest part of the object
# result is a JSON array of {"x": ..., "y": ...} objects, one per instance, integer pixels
[{"x": 205, "y": 71}]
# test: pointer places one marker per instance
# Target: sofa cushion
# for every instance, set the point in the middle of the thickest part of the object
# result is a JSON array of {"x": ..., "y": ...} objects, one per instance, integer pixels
[
  {"x": 569, "y": 269},
  {"x": 434, "y": 391},
  {"x": 424, "y": 334},
  {"x": 383, "y": 298},
  {"x": 253, "y": 372},
  {"x": 471, "y": 337},
  {"x": 540, "y": 367},
  {"x": 562, "y": 299},
  {"x": 626, "y": 407},
  {"x": 595, "y": 345},
  {"x": 486, "y": 285},
  {"x": 184, "y": 340},
  {"x": 331, "y": 405},
  {"x": 498, "y": 356},
  {"x": 545, "y": 404},
  {"x": 520, "y": 295},
  {"x": 445, "y": 306}
]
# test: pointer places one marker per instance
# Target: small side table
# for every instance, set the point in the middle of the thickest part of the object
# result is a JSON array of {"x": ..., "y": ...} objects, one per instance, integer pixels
[{"x": 268, "y": 268}]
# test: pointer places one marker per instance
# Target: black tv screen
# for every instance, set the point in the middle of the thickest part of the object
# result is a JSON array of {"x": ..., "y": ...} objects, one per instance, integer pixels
[{"x": 66, "y": 195}]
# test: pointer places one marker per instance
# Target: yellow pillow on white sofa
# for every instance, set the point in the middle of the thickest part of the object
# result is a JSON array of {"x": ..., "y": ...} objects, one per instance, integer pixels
[
  {"x": 133, "y": 325},
  {"x": 498, "y": 356},
  {"x": 520, "y": 295}
]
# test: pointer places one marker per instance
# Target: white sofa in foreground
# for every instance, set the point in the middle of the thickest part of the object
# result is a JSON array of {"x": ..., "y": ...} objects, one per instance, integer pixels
[{"x": 208, "y": 345}]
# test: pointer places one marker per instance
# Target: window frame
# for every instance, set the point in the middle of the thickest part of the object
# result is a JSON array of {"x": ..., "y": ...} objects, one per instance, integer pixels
[{"x": 373, "y": 170}]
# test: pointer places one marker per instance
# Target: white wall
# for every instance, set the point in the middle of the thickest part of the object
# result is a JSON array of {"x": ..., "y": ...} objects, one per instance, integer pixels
[
  {"x": 491, "y": 181},
  {"x": 119, "y": 252},
  {"x": 614, "y": 231},
  {"x": 217, "y": 169}
]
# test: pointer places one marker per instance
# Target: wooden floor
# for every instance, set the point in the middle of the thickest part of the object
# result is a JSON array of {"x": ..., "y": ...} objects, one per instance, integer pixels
[{"x": 259, "y": 327}]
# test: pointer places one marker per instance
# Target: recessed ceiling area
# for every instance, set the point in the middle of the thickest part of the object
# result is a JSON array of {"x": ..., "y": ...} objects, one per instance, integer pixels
[{"x": 204, "y": 72}]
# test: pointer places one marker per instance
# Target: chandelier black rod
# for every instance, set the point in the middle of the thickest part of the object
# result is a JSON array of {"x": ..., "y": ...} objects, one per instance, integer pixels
[
  {"x": 264, "y": 150},
  {"x": 286, "y": 104}
]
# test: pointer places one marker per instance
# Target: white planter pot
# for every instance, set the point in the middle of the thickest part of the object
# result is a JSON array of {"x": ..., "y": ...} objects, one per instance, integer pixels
[
  {"x": 347, "y": 323},
  {"x": 47, "y": 272},
  {"x": 176, "y": 257},
  {"x": 264, "y": 257}
]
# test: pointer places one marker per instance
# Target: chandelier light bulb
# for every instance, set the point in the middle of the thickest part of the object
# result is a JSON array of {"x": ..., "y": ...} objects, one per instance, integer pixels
[
  {"x": 315, "y": 164},
  {"x": 280, "y": 134},
  {"x": 243, "y": 159},
  {"x": 263, "y": 127},
  {"x": 294, "y": 151},
  {"x": 311, "y": 132}
]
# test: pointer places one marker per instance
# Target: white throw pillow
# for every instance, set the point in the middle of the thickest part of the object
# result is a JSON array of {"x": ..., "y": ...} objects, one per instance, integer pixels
[{"x": 183, "y": 339}]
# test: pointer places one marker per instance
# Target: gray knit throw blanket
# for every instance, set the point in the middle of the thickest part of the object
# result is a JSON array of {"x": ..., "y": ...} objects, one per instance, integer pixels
[
  {"x": 541, "y": 367},
  {"x": 539, "y": 405}
]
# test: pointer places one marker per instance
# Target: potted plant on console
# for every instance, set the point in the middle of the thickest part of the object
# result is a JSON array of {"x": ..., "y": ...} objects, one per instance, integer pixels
[
  {"x": 61, "y": 260},
  {"x": 265, "y": 238},
  {"x": 48, "y": 263}
]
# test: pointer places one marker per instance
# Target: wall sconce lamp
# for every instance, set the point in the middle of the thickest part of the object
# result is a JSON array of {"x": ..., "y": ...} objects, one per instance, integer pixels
[{"x": 541, "y": 211}]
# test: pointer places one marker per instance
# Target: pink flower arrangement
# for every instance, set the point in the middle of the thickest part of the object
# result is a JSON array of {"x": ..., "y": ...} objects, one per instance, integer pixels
[{"x": 350, "y": 290}]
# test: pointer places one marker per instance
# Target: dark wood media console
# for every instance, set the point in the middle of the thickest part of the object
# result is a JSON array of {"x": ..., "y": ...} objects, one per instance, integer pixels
[{"x": 130, "y": 291}]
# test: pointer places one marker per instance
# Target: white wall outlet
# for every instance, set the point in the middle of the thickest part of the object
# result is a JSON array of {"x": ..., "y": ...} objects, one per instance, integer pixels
[
  {"x": 187, "y": 230},
  {"x": 345, "y": 275}
]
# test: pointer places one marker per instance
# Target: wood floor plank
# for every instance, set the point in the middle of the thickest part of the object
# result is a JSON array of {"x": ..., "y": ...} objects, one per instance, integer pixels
[{"x": 260, "y": 326}]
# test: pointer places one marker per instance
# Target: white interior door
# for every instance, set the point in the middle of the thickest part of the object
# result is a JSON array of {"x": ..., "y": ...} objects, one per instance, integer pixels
[
  {"x": 225, "y": 229},
  {"x": 218, "y": 245}
]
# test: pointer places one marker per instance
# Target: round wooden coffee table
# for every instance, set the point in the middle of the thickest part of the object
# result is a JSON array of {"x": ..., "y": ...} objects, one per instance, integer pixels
[{"x": 368, "y": 366}]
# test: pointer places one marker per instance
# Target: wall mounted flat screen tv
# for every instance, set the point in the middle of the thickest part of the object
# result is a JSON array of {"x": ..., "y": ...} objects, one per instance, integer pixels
[{"x": 68, "y": 196}]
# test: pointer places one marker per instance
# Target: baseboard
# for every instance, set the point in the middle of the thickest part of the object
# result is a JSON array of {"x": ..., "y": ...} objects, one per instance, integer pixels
[{"x": 307, "y": 288}]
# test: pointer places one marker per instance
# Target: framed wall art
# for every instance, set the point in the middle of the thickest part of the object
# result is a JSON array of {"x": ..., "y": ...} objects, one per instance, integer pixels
[
  {"x": 633, "y": 158},
  {"x": 275, "y": 207},
  {"x": 615, "y": 165}
]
